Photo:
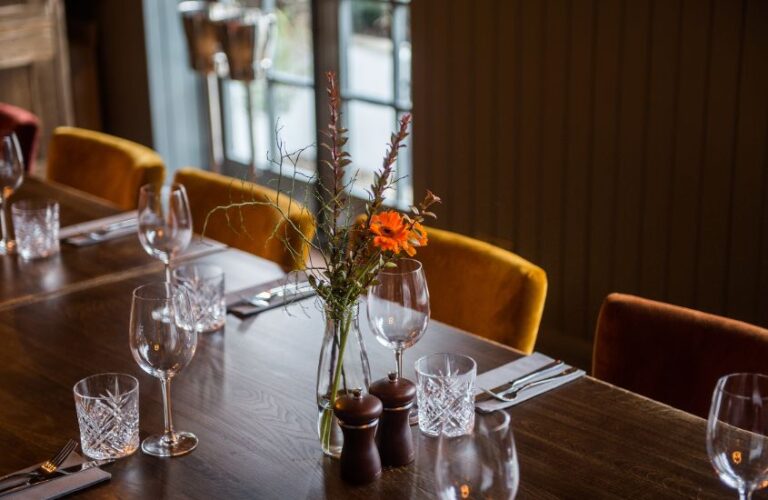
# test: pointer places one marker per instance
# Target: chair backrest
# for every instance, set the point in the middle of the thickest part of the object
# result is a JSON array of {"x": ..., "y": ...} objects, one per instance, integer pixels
[
  {"x": 259, "y": 229},
  {"x": 673, "y": 354},
  {"x": 27, "y": 128},
  {"x": 103, "y": 165},
  {"x": 483, "y": 289}
]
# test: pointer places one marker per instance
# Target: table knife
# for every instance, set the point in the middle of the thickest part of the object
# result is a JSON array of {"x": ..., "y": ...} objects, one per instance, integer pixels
[
  {"x": 528, "y": 376},
  {"x": 64, "y": 471}
]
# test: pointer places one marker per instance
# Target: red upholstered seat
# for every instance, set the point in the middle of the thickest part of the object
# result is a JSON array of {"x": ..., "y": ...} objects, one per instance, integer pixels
[
  {"x": 27, "y": 128},
  {"x": 673, "y": 354}
]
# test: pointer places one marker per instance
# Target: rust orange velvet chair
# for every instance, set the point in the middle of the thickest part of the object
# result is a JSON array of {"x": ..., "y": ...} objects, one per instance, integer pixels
[
  {"x": 27, "y": 128},
  {"x": 207, "y": 190},
  {"x": 673, "y": 354},
  {"x": 483, "y": 289},
  {"x": 103, "y": 165}
]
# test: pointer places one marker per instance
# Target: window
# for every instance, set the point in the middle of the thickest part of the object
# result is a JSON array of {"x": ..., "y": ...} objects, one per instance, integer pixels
[{"x": 374, "y": 67}]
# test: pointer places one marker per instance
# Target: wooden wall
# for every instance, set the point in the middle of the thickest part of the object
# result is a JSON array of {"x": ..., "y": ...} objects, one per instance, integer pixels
[
  {"x": 619, "y": 144},
  {"x": 34, "y": 65}
]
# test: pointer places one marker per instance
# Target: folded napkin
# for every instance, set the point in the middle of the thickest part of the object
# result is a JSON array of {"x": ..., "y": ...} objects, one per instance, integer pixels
[
  {"x": 238, "y": 306},
  {"x": 80, "y": 234},
  {"x": 63, "y": 485},
  {"x": 519, "y": 368}
]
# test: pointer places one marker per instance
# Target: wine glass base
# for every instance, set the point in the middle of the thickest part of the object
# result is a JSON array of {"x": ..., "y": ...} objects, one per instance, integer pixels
[
  {"x": 8, "y": 247},
  {"x": 158, "y": 447}
]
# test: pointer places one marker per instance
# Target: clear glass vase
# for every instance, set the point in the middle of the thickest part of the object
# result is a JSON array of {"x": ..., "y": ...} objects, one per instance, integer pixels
[{"x": 343, "y": 367}]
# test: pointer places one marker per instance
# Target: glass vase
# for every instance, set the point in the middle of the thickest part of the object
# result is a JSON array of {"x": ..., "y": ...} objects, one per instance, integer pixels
[{"x": 343, "y": 367}]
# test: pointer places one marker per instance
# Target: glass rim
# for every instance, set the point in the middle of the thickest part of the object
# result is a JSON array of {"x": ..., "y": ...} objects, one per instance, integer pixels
[
  {"x": 720, "y": 386},
  {"x": 34, "y": 205},
  {"x": 397, "y": 271},
  {"x": 168, "y": 287},
  {"x": 133, "y": 379},
  {"x": 151, "y": 188},
  {"x": 421, "y": 372}
]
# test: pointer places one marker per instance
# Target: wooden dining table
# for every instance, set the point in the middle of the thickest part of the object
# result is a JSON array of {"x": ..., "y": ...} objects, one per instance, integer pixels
[{"x": 249, "y": 393}]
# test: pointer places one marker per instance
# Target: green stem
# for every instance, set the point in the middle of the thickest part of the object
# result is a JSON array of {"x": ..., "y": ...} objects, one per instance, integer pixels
[{"x": 326, "y": 424}]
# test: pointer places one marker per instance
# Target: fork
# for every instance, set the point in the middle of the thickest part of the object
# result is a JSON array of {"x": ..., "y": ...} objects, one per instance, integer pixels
[
  {"x": 511, "y": 394},
  {"x": 49, "y": 466}
]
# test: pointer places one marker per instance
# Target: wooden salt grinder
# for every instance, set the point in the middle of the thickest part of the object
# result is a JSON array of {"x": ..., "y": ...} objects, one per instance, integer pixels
[{"x": 358, "y": 416}]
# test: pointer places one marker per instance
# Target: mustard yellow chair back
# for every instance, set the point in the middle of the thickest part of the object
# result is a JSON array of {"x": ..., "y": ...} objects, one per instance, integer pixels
[
  {"x": 251, "y": 228},
  {"x": 103, "y": 165},
  {"x": 483, "y": 289}
]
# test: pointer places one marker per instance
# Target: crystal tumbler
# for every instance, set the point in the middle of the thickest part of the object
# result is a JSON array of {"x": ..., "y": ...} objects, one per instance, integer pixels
[
  {"x": 108, "y": 413},
  {"x": 445, "y": 386},
  {"x": 205, "y": 286},
  {"x": 36, "y": 223}
]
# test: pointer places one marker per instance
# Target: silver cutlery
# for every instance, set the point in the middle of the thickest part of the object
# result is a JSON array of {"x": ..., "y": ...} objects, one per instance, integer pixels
[
  {"x": 60, "y": 472},
  {"x": 262, "y": 299},
  {"x": 48, "y": 467},
  {"x": 511, "y": 394},
  {"x": 109, "y": 229},
  {"x": 544, "y": 370}
]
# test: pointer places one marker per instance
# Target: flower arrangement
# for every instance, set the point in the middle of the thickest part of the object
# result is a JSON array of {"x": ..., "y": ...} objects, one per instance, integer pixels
[{"x": 353, "y": 250}]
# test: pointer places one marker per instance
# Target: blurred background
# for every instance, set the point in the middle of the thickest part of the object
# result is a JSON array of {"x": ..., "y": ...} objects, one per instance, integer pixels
[{"x": 618, "y": 144}]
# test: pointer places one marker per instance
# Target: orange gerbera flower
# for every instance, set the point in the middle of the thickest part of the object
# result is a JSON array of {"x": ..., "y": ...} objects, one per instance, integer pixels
[
  {"x": 390, "y": 231},
  {"x": 416, "y": 238}
]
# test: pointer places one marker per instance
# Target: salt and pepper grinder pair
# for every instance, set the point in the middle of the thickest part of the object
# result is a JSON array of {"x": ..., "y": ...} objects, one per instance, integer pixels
[{"x": 358, "y": 416}]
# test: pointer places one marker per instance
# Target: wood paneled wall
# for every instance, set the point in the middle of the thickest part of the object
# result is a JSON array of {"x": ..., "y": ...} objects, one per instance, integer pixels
[
  {"x": 619, "y": 144},
  {"x": 34, "y": 64}
]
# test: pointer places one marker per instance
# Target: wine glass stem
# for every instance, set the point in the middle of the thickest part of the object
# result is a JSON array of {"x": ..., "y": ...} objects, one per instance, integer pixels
[
  {"x": 168, "y": 435},
  {"x": 399, "y": 360},
  {"x": 745, "y": 494},
  {"x": 167, "y": 270},
  {"x": 3, "y": 221}
]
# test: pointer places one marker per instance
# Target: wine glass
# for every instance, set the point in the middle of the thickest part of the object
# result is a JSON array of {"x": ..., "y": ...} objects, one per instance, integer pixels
[
  {"x": 736, "y": 431},
  {"x": 163, "y": 340},
  {"x": 482, "y": 464},
  {"x": 398, "y": 307},
  {"x": 165, "y": 222},
  {"x": 11, "y": 177}
]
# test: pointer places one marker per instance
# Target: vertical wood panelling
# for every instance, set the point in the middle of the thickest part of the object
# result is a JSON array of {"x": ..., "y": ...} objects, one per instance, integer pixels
[
  {"x": 529, "y": 157},
  {"x": 619, "y": 144},
  {"x": 602, "y": 171},
  {"x": 579, "y": 153},
  {"x": 696, "y": 24},
  {"x": 664, "y": 77},
  {"x": 749, "y": 165},
  {"x": 554, "y": 115},
  {"x": 715, "y": 194}
]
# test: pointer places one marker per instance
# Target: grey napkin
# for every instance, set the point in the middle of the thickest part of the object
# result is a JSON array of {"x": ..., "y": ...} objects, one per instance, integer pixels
[
  {"x": 64, "y": 485},
  {"x": 238, "y": 306},
  {"x": 503, "y": 374}
]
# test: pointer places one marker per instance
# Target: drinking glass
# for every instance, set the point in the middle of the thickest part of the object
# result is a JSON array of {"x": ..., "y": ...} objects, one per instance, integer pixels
[
  {"x": 398, "y": 307},
  {"x": 108, "y": 413},
  {"x": 11, "y": 177},
  {"x": 736, "y": 431},
  {"x": 445, "y": 391},
  {"x": 165, "y": 222},
  {"x": 163, "y": 341},
  {"x": 36, "y": 223},
  {"x": 482, "y": 464},
  {"x": 205, "y": 286}
]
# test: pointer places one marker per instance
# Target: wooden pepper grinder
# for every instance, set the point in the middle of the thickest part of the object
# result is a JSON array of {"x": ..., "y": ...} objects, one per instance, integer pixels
[
  {"x": 358, "y": 416},
  {"x": 394, "y": 437}
]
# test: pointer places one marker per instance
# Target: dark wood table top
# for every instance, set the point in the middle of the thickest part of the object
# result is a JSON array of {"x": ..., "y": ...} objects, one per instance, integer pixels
[
  {"x": 24, "y": 281},
  {"x": 249, "y": 396}
]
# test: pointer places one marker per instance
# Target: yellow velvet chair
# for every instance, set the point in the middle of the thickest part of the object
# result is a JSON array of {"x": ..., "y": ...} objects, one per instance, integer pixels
[
  {"x": 252, "y": 231},
  {"x": 103, "y": 165},
  {"x": 483, "y": 289}
]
